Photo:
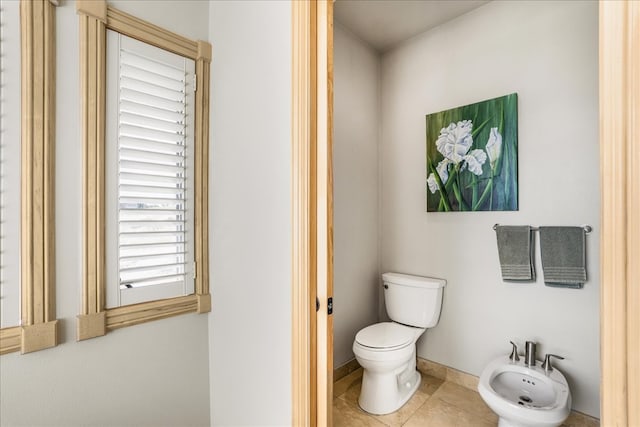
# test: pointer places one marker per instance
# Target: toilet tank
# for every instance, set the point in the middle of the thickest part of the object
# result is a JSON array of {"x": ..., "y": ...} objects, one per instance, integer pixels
[{"x": 413, "y": 300}]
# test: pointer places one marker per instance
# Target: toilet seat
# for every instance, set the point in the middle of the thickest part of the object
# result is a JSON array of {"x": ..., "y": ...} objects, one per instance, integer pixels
[{"x": 386, "y": 336}]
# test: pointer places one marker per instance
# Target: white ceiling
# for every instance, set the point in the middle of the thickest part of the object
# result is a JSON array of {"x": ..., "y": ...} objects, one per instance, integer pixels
[{"x": 384, "y": 23}]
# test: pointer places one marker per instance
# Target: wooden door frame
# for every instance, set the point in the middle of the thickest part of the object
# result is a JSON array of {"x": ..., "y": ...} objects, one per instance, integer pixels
[
  {"x": 620, "y": 207},
  {"x": 312, "y": 212},
  {"x": 312, "y": 53}
]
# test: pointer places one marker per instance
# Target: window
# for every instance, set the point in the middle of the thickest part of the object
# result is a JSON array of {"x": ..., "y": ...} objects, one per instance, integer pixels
[
  {"x": 28, "y": 166},
  {"x": 150, "y": 171},
  {"x": 145, "y": 140}
]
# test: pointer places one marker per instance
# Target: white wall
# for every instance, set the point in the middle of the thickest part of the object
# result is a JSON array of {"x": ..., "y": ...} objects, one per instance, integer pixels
[
  {"x": 151, "y": 374},
  {"x": 355, "y": 194},
  {"x": 10, "y": 164},
  {"x": 250, "y": 323},
  {"x": 547, "y": 52}
]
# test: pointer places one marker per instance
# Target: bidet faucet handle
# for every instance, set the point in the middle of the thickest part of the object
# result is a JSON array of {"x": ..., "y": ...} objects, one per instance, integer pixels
[
  {"x": 514, "y": 353},
  {"x": 546, "y": 365}
]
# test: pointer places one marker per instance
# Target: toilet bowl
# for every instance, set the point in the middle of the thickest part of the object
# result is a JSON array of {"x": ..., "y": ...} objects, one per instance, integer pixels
[
  {"x": 387, "y": 351},
  {"x": 524, "y": 396}
]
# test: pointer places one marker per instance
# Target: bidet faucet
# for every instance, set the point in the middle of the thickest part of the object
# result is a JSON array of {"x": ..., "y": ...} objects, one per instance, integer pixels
[
  {"x": 530, "y": 354},
  {"x": 546, "y": 365},
  {"x": 514, "y": 353}
]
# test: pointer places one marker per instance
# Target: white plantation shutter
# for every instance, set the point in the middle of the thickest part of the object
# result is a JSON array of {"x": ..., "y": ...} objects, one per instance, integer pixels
[{"x": 150, "y": 112}]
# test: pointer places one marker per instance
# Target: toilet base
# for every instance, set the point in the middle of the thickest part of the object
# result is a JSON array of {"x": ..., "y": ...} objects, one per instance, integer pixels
[
  {"x": 503, "y": 422},
  {"x": 389, "y": 393}
]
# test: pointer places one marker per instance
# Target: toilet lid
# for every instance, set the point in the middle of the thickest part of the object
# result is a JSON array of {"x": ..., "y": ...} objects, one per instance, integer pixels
[{"x": 385, "y": 335}]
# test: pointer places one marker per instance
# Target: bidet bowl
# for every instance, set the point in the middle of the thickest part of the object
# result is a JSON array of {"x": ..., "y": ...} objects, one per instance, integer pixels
[{"x": 525, "y": 396}]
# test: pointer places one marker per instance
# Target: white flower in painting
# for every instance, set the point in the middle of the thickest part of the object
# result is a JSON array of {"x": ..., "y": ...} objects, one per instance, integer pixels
[
  {"x": 443, "y": 170},
  {"x": 431, "y": 182},
  {"x": 474, "y": 161},
  {"x": 455, "y": 140},
  {"x": 493, "y": 146}
]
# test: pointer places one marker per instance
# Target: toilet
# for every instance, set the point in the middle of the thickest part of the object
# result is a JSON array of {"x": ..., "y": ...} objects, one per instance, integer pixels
[{"x": 387, "y": 351}]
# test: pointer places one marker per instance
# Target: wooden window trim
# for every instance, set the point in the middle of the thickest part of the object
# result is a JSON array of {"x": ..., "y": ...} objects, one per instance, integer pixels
[
  {"x": 95, "y": 319},
  {"x": 38, "y": 327}
]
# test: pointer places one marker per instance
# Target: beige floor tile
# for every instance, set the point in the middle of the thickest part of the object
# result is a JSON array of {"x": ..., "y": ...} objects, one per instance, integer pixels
[
  {"x": 345, "y": 415},
  {"x": 352, "y": 393},
  {"x": 576, "y": 419},
  {"x": 430, "y": 384},
  {"x": 340, "y": 386},
  {"x": 398, "y": 418},
  {"x": 436, "y": 403},
  {"x": 438, "y": 413},
  {"x": 466, "y": 399}
]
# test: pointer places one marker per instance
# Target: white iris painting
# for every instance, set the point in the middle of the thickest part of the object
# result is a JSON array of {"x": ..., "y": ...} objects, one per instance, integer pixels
[{"x": 472, "y": 157}]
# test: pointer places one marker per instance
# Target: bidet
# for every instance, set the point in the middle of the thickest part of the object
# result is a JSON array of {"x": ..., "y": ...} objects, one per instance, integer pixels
[{"x": 524, "y": 395}]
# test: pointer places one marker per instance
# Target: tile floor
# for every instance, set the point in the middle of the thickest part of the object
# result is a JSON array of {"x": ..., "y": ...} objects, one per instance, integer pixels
[{"x": 437, "y": 403}]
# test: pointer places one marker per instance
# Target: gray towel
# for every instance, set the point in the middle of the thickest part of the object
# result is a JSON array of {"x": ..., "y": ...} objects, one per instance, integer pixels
[
  {"x": 562, "y": 250},
  {"x": 515, "y": 249}
]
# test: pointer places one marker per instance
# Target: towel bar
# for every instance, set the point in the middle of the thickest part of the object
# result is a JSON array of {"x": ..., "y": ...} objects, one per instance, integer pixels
[{"x": 587, "y": 228}]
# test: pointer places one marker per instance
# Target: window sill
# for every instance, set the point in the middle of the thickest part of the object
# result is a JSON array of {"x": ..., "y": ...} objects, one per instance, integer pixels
[
  {"x": 95, "y": 325},
  {"x": 29, "y": 338}
]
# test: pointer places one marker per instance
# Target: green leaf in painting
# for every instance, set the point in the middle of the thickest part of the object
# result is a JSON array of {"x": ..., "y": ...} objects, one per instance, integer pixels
[
  {"x": 444, "y": 199},
  {"x": 477, "y": 129}
]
